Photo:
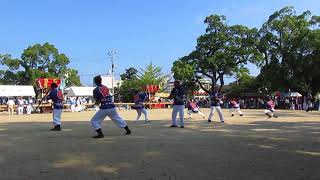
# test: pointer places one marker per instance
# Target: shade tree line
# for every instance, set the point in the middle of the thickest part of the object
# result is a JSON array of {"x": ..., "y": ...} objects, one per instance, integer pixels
[
  {"x": 286, "y": 48},
  {"x": 39, "y": 60},
  {"x": 45, "y": 61}
]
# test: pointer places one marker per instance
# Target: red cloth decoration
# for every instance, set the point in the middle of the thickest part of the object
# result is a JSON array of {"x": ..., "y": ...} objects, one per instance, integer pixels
[
  {"x": 44, "y": 83},
  {"x": 151, "y": 89}
]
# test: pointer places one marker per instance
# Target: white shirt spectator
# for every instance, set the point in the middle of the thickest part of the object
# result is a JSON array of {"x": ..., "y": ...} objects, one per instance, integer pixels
[{"x": 10, "y": 102}]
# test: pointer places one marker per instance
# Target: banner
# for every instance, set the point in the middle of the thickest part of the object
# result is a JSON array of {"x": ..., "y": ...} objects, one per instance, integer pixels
[{"x": 44, "y": 83}]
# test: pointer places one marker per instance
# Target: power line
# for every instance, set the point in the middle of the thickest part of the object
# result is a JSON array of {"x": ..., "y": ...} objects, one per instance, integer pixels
[{"x": 93, "y": 74}]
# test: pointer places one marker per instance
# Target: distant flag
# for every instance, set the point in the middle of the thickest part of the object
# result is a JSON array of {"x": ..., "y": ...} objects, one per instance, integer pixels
[
  {"x": 63, "y": 84},
  {"x": 63, "y": 81}
]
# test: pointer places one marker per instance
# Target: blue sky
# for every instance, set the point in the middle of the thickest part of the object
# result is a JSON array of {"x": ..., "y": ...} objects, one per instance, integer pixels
[{"x": 141, "y": 30}]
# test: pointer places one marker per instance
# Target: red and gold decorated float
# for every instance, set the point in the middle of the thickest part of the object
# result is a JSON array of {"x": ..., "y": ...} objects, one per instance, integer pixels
[
  {"x": 45, "y": 83},
  {"x": 152, "y": 90}
]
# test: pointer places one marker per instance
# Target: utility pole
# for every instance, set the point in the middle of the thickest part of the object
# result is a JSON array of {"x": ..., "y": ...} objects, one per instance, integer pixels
[{"x": 112, "y": 55}]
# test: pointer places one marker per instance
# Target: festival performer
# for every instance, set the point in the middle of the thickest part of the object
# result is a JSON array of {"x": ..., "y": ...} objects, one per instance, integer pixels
[
  {"x": 177, "y": 94},
  {"x": 138, "y": 99},
  {"x": 270, "y": 108},
  {"x": 215, "y": 105},
  {"x": 309, "y": 106},
  {"x": 107, "y": 108},
  {"x": 234, "y": 106},
  {"x": 56, "y": 96},
  {"x": 194, "y": 108}
]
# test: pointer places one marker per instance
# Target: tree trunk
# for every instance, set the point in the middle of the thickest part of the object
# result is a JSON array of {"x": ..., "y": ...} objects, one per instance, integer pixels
[
  {"x": 221, "y": 82},
  {"x": 201, "y": 86},
  {"x": 214, "y": 82}
]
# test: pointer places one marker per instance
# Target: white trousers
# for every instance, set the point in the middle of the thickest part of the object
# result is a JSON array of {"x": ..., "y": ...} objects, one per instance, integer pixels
[
  {"x": 190, "y": 112},
  {"x": 29, "y": 109},
  {"x": 144, "y": 112},
  {"x": 232, "y": 110},
  {"x": 218, "y": 109},
  {"x": 20, "y": 110},
  {"x": 73, "y": 108},
  {"x": 102, "y": 114},
  {"x": 176, "y": 109},
  {"x": 292, "y": 107},
  {"x": 269, "y": 112},
  {"x": 56, "y": 113}
]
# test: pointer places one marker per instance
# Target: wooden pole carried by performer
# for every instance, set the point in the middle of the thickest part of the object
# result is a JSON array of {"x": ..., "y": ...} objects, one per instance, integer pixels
[{"x": 40, "y": 102}]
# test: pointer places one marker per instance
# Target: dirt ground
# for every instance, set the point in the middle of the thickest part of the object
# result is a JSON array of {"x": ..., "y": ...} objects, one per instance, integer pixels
[{"x": 248, "y": 147}]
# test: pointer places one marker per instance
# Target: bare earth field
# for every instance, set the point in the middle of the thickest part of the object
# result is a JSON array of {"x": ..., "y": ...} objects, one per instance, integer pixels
[{"x": 248, "y": 147}]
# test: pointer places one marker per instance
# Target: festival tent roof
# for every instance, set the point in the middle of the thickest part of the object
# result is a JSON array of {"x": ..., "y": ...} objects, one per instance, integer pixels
[
  {"x": 80, "y": 91},
  {"x": 286, "y": 94},
  {"x": 293, "y": 94},
  {"x": 13, "y": 91}
]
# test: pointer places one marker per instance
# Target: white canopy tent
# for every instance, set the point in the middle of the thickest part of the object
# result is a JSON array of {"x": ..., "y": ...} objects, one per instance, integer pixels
[
  {"x": 293, "y": 94},
  {"x": 14, "y": 91},
  {"x": 79, "y": 91}
]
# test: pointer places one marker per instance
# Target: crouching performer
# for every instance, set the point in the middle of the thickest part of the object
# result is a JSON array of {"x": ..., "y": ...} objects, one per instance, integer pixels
[
  {"x": 194, "y": 108},
  {"x": 107, "y": 108},
  {"x": 270, "y": 109},
  {"x": 234, "y": 106}
]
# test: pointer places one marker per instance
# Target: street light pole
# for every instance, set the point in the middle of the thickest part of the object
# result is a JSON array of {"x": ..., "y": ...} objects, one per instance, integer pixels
[{"x": 112, "y": 55}]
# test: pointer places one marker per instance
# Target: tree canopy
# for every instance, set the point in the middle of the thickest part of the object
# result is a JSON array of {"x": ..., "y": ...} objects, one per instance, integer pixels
[
  {"x": 133, "y": 80},
  {"x": 290, "y": 44},
  {"x": 286, "y": 49},
  {"x": 222, "y": 50},
  {"x": 129, "y": 85},
  {"x": 151, "y": 75},
  {"x": 37, "y": 61}
]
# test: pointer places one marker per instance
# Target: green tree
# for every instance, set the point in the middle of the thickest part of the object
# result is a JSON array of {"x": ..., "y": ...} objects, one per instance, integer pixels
[
  {"x": 185, "y": 71},
  {"x": 133, "y": 80},
  {"x": 130, "y": 74},
  {"x": 36, "y": 61},
  {"x": 222, "y": 50},
  {"x": 12, "y": 75},
  {"x": 244, "y": 85},
  {"x": 151, "y": 75},
  {"x": 129, "y": 85},
  {"x": 290, "y": 45},
  {"x": 73, "y": 78}
]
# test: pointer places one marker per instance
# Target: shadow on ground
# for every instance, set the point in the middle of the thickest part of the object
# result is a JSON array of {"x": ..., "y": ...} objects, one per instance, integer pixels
[{"x": 257, "y": 150}]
